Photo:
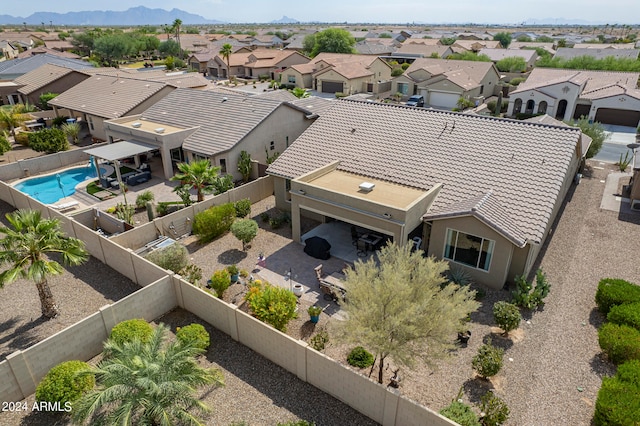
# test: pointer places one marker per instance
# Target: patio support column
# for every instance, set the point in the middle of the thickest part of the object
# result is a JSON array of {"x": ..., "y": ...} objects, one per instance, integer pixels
[
  {"x": 167, "y": 165},
  {"x": 295, "y": 219}
]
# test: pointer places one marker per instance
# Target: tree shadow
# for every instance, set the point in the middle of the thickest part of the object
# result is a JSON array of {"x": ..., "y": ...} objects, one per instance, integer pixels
[
  {"x": 596, "y": 318},
  {"x": 307, "y": 329},
  {"x": 44, "y": 418},
  {"x": 22, "y": 337},
  {"x": 498, "y": 340},
  {"x": 476, "y": 387},
  {"x": 108, "y": 282},
  {"x": 602, "y": 366},
  {"x": 231, "y": 257}
]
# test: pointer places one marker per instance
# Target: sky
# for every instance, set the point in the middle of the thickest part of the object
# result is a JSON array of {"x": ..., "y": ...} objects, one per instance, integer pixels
[{"x": 374, "y": 11}]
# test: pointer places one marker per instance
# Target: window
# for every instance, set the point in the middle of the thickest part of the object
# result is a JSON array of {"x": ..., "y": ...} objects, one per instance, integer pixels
[
  {"x": 90, "y": 122},
  {"x": 287, "y": 141},
  {"x": 403, "y": 88},
  {"x": 542, "y": 107},
  {"x": 223, "y": 165},
  {"x": 517, "y": 106},
  {"x": 198, "y": 157},
  {"x": 481, "y": 89},
  {"x": 291, "y": 79},
  {"x": 531, "y": 104},
  {"x": 272, "y": 145},
  {"x": 287, "y": 189},
  {"x": 468, "y": 249}
]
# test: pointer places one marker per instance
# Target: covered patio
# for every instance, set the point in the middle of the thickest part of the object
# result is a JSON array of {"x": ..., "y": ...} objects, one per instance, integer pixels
[{"x": 117, "y": 151}]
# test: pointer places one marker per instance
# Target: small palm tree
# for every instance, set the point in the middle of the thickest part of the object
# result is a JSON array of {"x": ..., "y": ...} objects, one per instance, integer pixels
[
  {"x": 24, "y": 249},
  {"x": 299, "y": 92},
  {"x": 226, "y": 51},
  {"x": 14, "y": 116},
  {"x": 200, "y": 175},
  {"x": 71, "y": 130},
  {"x": 150, "y": 383}
]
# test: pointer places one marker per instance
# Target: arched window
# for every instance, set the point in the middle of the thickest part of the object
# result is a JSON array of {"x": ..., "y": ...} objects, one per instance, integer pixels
[
  {"x": 517, "y": 106},
  {"x": 562, "y": 109},
  {"x": 542, "y": 107},
  {"x": 531, "y": 104}
]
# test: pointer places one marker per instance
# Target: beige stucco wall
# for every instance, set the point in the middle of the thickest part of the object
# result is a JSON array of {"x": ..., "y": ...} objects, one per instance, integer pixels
[
  {"x": 617, "y": 102},
  {"x": 502, "y": 252},
  {"x": 303, "y": 81},
  {"x": 556, "y": 90},
  {"x": 403, "y": 79},
  {"x": 350, "y": 86},
  {"x": 58, "y": 86}
]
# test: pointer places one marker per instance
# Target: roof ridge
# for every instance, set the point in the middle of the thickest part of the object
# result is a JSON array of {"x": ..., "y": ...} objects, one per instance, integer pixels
[{"x": 483, "y": 200}]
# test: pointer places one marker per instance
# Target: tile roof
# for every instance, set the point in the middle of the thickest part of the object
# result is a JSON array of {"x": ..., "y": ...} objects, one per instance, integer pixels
[
  {"x": 424, "y": 50},
  {"x": 499, "y": 54},
  {"x": 314, "y": 104},
  {"x": 22, "y": 66},
  {"x": 604, "y": 46},
  {"x": 476, "y": 44},
  {"x": 547, "y": 119},
  {"x": 373, "y": 48},
  {"x": 590, "y": 81},
  {"x": 107, "y": 96},
  {"x": 224, "y": 119},
  {"x": 40, "y": 77},
  {"x": 474, "y": 70},
  {"x": 348, "y": 70},
  {"x": 192, "y": 80},
  {"x": 42, "y": 49},
  {"x": 277, "y": 95},
  {"x": 570, "y": 53},
  {"x": 470, "y": 154}
]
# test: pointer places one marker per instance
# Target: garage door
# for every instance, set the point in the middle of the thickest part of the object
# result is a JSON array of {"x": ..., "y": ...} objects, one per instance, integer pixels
[
  {"x": 620, "y": 117},
  {"x": 443, "y": 100},
  {"x": 331, "y": 86}
]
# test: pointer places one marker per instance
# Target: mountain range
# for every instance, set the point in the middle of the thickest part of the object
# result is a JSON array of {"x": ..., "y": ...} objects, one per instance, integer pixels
[{"x": 134, "y": 16}]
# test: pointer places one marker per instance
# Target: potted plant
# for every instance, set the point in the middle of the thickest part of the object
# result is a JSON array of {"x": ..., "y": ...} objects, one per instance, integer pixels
[
  {"x": 233, "y": 271},
  {"x": 314, "y": 313}
]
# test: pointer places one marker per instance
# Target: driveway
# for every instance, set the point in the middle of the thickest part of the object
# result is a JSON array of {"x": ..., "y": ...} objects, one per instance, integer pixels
[{"x": 618, "y": 137}]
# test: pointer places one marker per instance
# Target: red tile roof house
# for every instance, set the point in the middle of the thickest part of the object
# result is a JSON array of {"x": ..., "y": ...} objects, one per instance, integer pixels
[
  {"x": 197, "y": 124},
  {"x": 482, "y": 191},
  {"x": 604, "y": 96}
]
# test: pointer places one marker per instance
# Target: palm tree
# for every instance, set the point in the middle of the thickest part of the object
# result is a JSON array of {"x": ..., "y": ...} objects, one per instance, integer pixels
[
  {"x": 200, "y": 175},
  {"x": 150, "y": 383},
  {"x": 24, "y": 249},
  {"x": 13, "y": 116},
  {"x": 71, "y": 130},
  {"x": 176, "y": 27},
  {"x": 226, "y": 51},
  {"x": 299, "y": 92}
]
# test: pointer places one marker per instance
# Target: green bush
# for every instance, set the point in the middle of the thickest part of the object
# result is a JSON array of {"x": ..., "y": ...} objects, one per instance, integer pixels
[
  {"x": 22, "y": 138},
  {"x": 5, "y": 145},
  {"x": 45, "y": 98},
  {"x": 360, "y": 357},
  {"x": 629, "y": 372},
  {"x": 245, "y": 230},
  {"x": 61, "y": 385},
  {"x": 59, "y": 121},
  {"x": 627, "y": 314},
  {"x": 48, "y": 141},
  {"x": 273, "y": 305},
  {"x": 620, "y": 342},
  {"x": 319, "y": 340},
  {"x": 488, "y": 360},
  {"x": 526, "y": 295},
  {"x": 617, "y": 403},
  {"x": 193, "y": 334},
  {"x": 192, "y": 273},
  {"x": 213, "y": 222},
  {"x": 507, "y": 316},
  {"x": 144, "y": 198},
  {"x": 165, "y": 207},
  {"x": 460, "y": 413},
  {"x": 494, "y": 408},
  {"x": 243, "y": 208},
  {"x": 127, "y": 331},
  {"x": 174, "y": 257},
  {"x": 516, "y": 81},
  {"x": 396, "y": 72},
  {"x": 297, "y": 423},
  {"x": 220, "y": 281},
  {"x": 613, "y": 291}
]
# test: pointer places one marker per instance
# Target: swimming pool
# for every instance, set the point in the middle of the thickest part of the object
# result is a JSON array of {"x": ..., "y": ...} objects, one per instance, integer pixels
[{"x": 49, "y": 189}]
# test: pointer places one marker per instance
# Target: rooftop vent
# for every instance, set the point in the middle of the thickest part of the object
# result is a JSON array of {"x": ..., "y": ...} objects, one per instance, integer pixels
[
  {"x": 136, "y": 124},
  {"x": 159, "y": 130},
  {"x": 367, "y": 186}
]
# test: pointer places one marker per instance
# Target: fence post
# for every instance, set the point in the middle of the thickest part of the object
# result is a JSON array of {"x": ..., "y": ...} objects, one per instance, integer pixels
[{"x": 22, "y": 373}]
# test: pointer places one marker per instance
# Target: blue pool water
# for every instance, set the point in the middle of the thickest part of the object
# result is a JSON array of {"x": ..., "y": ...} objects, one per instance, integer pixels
[{"x": 49, "y": 189}]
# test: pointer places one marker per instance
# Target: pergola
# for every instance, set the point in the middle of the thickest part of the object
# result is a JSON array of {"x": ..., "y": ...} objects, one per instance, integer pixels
[{"x": 117, "y": 151}]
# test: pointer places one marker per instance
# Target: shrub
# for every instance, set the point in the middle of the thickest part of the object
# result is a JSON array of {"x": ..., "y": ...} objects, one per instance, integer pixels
[
  {"x": 127, "y": 331},
  {"x": 193, "y": 334},
  {"x": 613, "y": 291},
  {"x": 59, "y": 121},
  {"x": 494, "y": 408},
  {"x": 243, "y": 207},
  {"x": 319, "y": 340},
  {"x": 620, "y": 342},
  {"x": 174, "y": 257},
  {"x": 273, "y": 305},
  {"x": 491, "y": 105},
  {"x": 516, "y": 81},
  {"x": 488, "y": 360},
  {"x": 507, "y": 316},
  {"x": 264, "y": 217},
  {"x": 460, "y": 413},
  {"x": 617, "y": 403},
  {"x": 629, "y": 372},
  {"x": 528, "y": 296},
  {"x": 5, "y": 145},
  {"x": 459, "y": 276},
  {"x": 23, "y": 138},
  {"x": 213, "y": 222},
  {"x": 627, "y": 314},
  {"x": 360, "y": 357},
  {"x": 245, "y": 230},
  {"x": 297, "y": 423},
  {"x": 61, "y": 384},
  {"x": 48, "y": 141},
  {"x": 220, "y": 281},
  {"x": 192, "y": 273},
  {"x": 144, "y": 198},
  {"x": 396, "y": 72},
  {"x": 45, "y": 98}
]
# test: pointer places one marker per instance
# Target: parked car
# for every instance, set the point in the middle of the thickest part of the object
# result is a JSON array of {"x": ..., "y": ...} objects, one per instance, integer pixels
[{"x": 416, "y": 101}]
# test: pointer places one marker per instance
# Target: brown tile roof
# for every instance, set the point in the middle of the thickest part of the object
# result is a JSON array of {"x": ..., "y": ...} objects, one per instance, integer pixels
[
  {"x": 499, "y": 54},
  {"x": 224, "y": 119},
  {"x": 277, "y": 95},
  {"x": 425, "y": 50},
  {"x": 348, "y": 70},
  {"x": 58, "y": 44},
  {"x": 547, "y": 119},
  {"x": 40, "y": 77},
  {"x": 192, "y": 80},
  {"x": 314, "y": 104},
  {"x": 475, "y": 71},
  {"x": 42, "y": 49},
  {"x": 591, "y": 81},
  {"x": 570, "y": 53},
  {"x": 476, "y": 44},
  {"x": 107, "y": 96},
  {"x": 470, "y": 154}
]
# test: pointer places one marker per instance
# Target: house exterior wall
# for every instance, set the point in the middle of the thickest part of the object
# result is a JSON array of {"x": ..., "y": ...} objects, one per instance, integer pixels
[
  {"x": 350, "y": 86},
  {"x": 502, "y": 252},
  {"x": 567, "y": 91},
  {"x": 403, "y": 79},
  {"x": 380, "y": 69},
  {"x": 303, "y": 81},
  {"x": 616, "y": 102},
  {"x": 58, "y": 86}
]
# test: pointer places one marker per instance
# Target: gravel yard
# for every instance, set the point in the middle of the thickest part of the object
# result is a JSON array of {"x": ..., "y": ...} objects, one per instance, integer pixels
[{"x": 553, "y": 365}]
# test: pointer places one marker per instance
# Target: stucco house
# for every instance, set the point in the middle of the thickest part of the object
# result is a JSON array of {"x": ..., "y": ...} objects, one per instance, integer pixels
[
  {"x": 195, "y": 124},
  {"x": 481, "y": 191},
  {"x": 256, "y": 63},
  {"x": 411, "y": 51},
  {"x": 442, "y": 82},
  {"x": 604, "y": 96},
  {"x": 474, "y": 45}
]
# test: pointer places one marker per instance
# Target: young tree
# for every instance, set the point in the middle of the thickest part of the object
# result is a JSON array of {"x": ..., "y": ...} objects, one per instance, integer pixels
[
  {"x": 245, "y": 230},
  {"x": 299, "y": 92},
  {"x": 244, "y": 165},
  {"x": 169, "y": 48},
  {"x": 402, "y": 307},
  {"x": 504, "y": 38},
  {"x": 200, "y": 175},
  {"x": 25, "y": 247},
  {"x": 595, "y": 131},
  {"x": 150, "y": 383},
  {"x": 333, "y": 40},
  {"x": 13, "y": 116}
]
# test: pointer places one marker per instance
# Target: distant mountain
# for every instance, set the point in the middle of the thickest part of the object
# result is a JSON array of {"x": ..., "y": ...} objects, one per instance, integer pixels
[
  {"x": 285, "y": 20},
  {"x": 134, "y": 16}
]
